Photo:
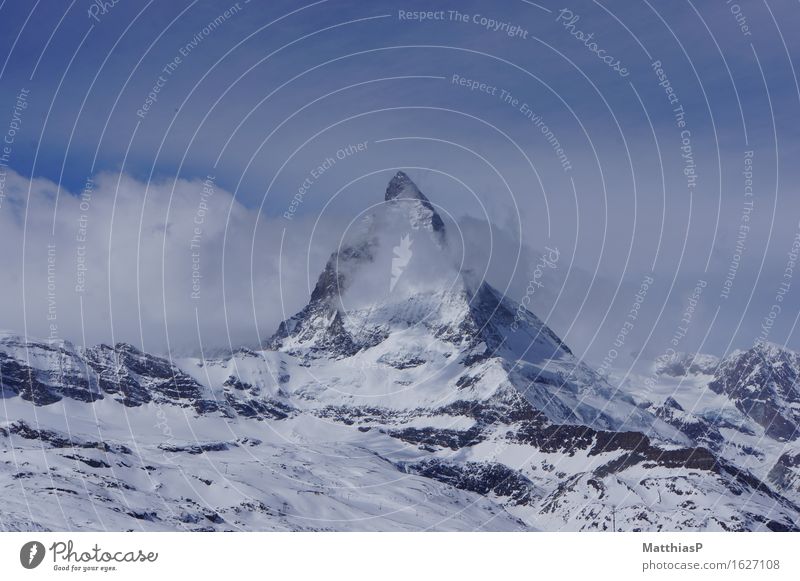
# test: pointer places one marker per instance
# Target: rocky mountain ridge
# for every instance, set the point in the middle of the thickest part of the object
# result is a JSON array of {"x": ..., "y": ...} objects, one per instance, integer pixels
[{"x": 407, "y": 395}]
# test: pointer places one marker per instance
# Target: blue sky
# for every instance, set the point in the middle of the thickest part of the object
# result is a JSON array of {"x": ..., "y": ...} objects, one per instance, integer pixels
[{"x": 278, "y": 87}]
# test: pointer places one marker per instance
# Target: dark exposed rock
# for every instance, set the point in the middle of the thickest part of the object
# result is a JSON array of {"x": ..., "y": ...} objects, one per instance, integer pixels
[
  {"x": 402, "y": 188},
  {"x": 259, "y": 408},
  {"x": 57, "y": 440},
  {"x": 695, "y": 427},
  {"x": 443, "y": 438},
  {"x": 481, "y": 477},
  {"x": 762, "y": 382},
  {"x": 785, "y": 474},
  {"x": 214, "y": 517},
  {"x": 237, "y": 383},
  {"x": 89, "y": 461},
  {"x": 350, "y": 415},
  {"x": 502, "y": 409},
  {"x": 18, "y": 379},
  {"x": 401, "y": 362},
  {"x": 138, "y": 378},
  {"x": 198, "y": 448},
  {"x": 144, "y": 515},
  {"x": 66, "y": 374}
]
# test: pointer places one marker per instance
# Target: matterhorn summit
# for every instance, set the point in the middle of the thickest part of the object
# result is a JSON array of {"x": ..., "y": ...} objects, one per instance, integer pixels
[{"x": 404, "y": 382}]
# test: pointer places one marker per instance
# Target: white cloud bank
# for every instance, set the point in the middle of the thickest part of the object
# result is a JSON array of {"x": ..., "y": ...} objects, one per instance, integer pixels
[{"x": 151, "y": 264}]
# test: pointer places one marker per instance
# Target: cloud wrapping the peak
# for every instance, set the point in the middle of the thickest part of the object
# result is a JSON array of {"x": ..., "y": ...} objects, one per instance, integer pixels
[{"x": 161, "y": 265}]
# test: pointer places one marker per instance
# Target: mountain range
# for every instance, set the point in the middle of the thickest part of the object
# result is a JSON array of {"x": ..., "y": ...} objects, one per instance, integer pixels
[{"x": 408, "y": 394}]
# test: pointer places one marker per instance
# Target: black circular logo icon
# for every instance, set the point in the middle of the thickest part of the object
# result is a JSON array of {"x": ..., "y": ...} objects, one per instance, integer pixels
[{"x": 31, "y": 554}]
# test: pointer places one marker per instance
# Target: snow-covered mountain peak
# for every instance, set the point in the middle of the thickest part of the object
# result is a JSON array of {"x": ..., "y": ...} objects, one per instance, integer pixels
[
  {"x": 402, "y": 188},
  {"x": 763, "y": 383},
  {"x": 402, "y": 375},
  {"x": 771, "y": 352},
  {"x": 396, "y": 273},
  {"x": 394, "y": 297}
]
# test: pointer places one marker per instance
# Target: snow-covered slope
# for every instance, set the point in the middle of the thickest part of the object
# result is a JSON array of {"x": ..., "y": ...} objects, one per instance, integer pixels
[
  {"x": 743, "y": 408},
  {"x": 407, "y": 395}
]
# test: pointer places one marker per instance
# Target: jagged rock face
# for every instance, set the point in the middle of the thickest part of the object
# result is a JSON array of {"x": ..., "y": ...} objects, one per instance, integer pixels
[
  {"x": 785, "y": 474},
  {"x": 135, "y": 378},
  {"x": 363, "y": 275},
  {"x": 115, "y": 378},
  {"x": 402, "y": 188},
  {"x": 44, "y": 373},
  {"x": 699, "y": 429},
  {"x": 763, "y": 384},
  {"x": 362, "y": 299},
  {"x": 427, "y": 388}
]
